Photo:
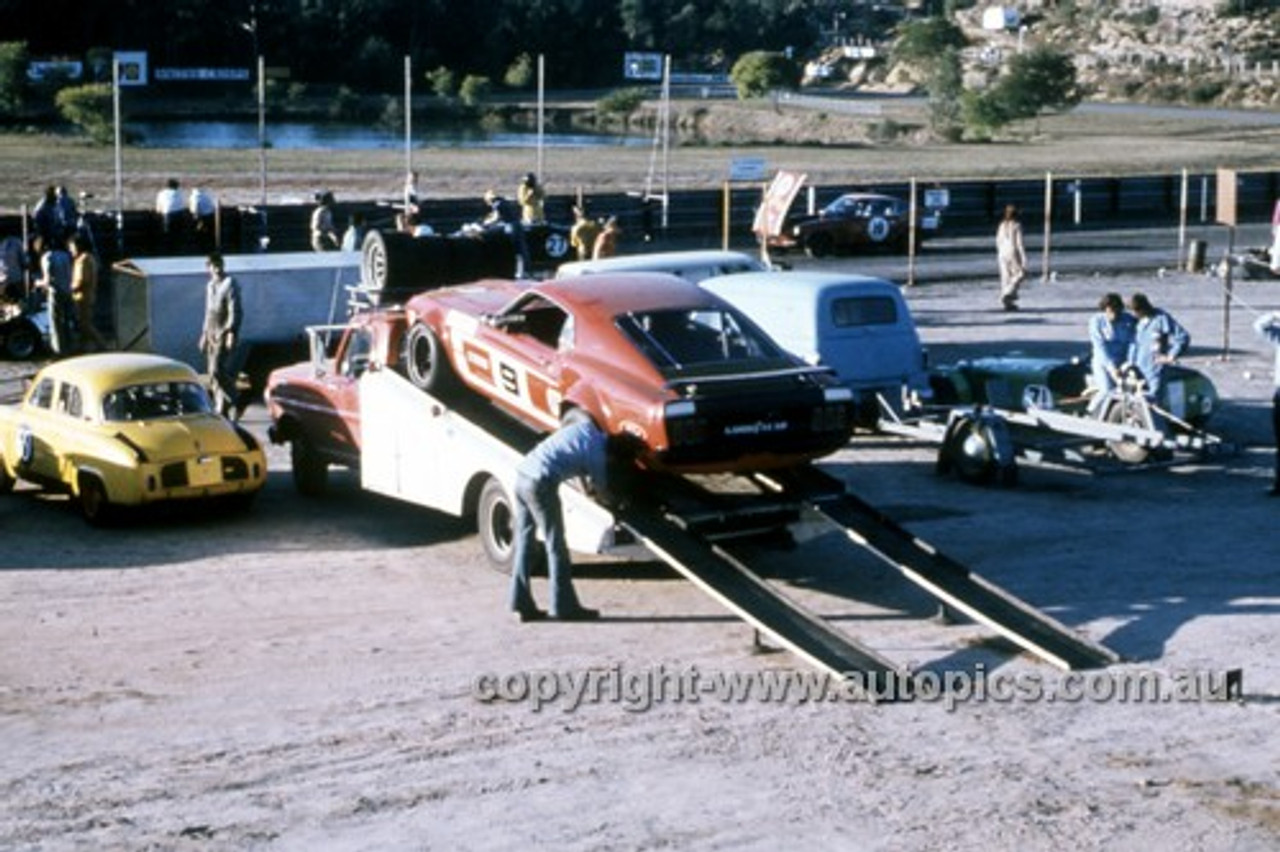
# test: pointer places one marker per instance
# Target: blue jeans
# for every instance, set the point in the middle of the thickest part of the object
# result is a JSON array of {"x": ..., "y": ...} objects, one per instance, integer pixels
[{"x": 537, "y": 509}]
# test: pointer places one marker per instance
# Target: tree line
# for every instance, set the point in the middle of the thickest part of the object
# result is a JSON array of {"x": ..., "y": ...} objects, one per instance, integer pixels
[{"x": 362, "y": 43}]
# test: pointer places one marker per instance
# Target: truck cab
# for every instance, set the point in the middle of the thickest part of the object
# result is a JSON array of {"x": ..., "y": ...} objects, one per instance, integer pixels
[{"x": 315, "y": 405}]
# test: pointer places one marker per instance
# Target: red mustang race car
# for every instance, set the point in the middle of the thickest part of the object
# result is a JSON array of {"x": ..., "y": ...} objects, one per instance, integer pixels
[{"x": 695, "y": 384}]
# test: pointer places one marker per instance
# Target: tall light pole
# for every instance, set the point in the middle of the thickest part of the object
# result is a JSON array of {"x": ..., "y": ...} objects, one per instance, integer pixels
[{"x": 251, "y": 27}]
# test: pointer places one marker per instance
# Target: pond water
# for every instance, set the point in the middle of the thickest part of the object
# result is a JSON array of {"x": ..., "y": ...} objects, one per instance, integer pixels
[{"x": 298, "y": 135}]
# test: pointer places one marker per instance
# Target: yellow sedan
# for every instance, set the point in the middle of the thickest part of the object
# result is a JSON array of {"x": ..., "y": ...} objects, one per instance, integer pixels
[{"x": 122, "y": 429}]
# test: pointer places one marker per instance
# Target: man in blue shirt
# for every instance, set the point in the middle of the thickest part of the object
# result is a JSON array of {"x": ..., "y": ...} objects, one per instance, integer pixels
[
  {"x": 1158, "y": 340},
  {"x": 1111, "y": 333},
  {"x": 577, "y": 449},
  {"x": 1268, "y": 326}
]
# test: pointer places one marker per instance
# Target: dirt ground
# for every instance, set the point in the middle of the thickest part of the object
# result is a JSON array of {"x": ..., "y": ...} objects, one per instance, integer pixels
[{"x": 342, "y": 673}]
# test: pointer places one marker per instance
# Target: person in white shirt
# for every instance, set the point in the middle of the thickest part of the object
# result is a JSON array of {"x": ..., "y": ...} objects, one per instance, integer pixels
[{"x": 170, "y": 208}]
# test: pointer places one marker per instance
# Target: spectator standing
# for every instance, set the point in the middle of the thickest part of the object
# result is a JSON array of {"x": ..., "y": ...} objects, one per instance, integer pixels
[
  {"x": 220, "y": 336},
  {"x": 46, "y": 219},
  {"x": 353, "y": 236},
  {"x": 1158, "y": 341},
  {"x": 203, "y": 210},
  {"x": 171, "y": 209},
  {"x": 505, "y": 214},
  {"x": 582, "y": 236},
  {"x": 532, "y": 198},
  {"x": 578, "y": 449},
  {"x": 411, "y": 195},
  {"x": 1268, "y": 327},
  {"x": 1111, "y": 333},
  {"x": 68, "y": 214},
  {"x": 607, "y": 240},
  {"x": 84, "y": 291},
  {"x": 1011, "y": 255},
  {"x": 55, "y": 279},
  {"x": 324, "y": 232}
]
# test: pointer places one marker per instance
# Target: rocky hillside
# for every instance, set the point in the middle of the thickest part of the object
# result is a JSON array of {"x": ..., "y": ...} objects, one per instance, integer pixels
[{"x": 1175, "y": 51}]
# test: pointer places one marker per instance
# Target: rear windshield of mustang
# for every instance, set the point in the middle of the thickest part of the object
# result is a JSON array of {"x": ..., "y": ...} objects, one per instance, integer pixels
[
  {"x": 155, "y": 400},
  {"x": 678, "y": 339}
]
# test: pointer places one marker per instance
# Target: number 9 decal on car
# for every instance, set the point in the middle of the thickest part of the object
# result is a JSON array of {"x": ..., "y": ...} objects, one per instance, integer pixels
[{"x": 878, "y": 229}]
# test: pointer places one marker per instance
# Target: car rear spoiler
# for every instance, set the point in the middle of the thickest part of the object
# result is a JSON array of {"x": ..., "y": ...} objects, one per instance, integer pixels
[{"x": 803, "y": 370}]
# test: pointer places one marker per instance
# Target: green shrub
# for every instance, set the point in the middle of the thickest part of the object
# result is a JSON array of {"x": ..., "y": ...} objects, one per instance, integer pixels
[
  {"x": 13, "y": 76},
  {"x": 474, "y": 89},
  {"x": 89, "y": 107},
  {"x": 621, "y": 101},
  {"x": 443, "y": 82}
]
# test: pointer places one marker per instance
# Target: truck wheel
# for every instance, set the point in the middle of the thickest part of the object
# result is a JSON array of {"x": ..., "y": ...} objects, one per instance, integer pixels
[
  {"x": 426, "y": 361},
  {"x": 22, "y": 341},
  {"x": 310, "y": 471},
  {"x": 819, "y": 245},
  {"x": 495, "y": 521},
  {"x": 94, "y": 505}
]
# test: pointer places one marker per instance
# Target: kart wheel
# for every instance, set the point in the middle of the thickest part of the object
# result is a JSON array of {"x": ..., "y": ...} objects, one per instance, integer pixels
[
  {"x": 6, "y": 481},
  {"x": 495, "y": 521},
  {"x": 94, "y": 505},
  {"x": 819, "y": 245},
  {"x": 22, "y": 341},
  {"x": 972, "y": 449},
  {"x": 310, "y": 471},
  {"x": 426, "y": 361},
  {"x": 1129, "y": 411}
]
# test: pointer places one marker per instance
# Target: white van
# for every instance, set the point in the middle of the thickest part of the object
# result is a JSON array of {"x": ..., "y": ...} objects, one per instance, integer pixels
[
  {"x": 859, "y": 326},
  {"x": 692, "y": 266}
]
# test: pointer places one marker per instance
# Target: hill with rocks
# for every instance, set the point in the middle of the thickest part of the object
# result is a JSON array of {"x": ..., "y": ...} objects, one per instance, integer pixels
[{"x": 1185, "y": 52}]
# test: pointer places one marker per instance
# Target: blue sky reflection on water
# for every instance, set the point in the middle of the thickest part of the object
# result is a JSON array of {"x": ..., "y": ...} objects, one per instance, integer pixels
[{"x": 301, "y": 135}]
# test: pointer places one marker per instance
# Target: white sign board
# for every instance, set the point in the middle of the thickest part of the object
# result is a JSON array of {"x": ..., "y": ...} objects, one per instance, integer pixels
[
  {"x": 747, "y": 169},
  {"x": 133, "y": 67},
  {"x": 642, "y": 66},
  {"x": 937, "y": 199}
]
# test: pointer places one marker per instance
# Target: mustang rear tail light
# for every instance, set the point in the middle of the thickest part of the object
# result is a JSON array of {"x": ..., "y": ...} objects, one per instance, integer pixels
[
  {"x": 684, "y": 426},
  {"x": 830, "y": 418}
]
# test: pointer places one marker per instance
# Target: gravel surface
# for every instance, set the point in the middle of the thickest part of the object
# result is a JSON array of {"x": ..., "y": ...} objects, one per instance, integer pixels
[{"x": 342, "y": 674}]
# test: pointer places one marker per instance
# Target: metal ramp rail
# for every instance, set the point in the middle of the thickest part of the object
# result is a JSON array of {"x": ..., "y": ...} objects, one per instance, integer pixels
[
  {"x": 939, "y": 575},
  {"x": 748, "y": 596}
]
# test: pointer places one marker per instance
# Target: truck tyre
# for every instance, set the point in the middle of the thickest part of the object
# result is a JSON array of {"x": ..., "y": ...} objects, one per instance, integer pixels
[
  {"x": 95, "y": 507},
  {"x": 22, "y": 341},
  {"x": 426, "y": 363},
  {"x": 310, "y": 471},
  {"x": 819, "y": 245},
  {"x": 495, "y": 521},
  {"x": 391, "y": 261}
]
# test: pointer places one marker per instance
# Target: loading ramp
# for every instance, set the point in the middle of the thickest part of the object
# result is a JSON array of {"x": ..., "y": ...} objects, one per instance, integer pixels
[{"x": 938, "y": 574}]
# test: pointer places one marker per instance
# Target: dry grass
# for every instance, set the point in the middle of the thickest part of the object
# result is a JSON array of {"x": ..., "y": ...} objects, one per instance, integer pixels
[{"x": 1078, "y": 144}]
